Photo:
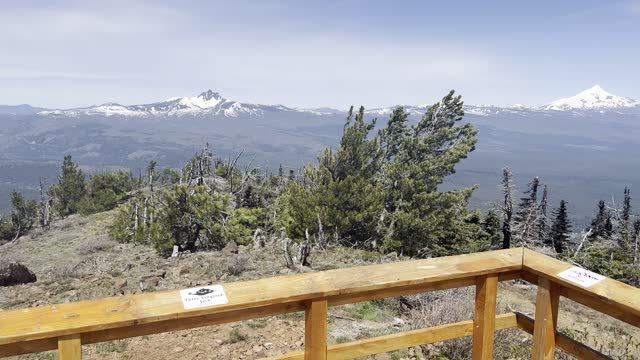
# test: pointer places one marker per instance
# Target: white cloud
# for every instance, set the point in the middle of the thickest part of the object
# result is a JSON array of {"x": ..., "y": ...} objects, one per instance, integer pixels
[{"x": 136, "y": 52}]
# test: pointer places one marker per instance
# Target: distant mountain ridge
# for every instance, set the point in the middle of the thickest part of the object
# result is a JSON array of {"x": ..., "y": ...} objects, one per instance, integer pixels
[
  {"x": 585, "y": 146},
  {"x": 212, "y": 103}
]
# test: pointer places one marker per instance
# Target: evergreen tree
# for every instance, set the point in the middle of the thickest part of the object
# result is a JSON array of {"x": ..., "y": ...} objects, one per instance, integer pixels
[
  {"x": 507, "y": 207},
  {"x": 528, "y": 214},
  {"x": 394, "y": 134},
  {"x": 626, "y": 204},
  {"x": 339, "y": 191},
  {"x": 23, "y": 215},
  {"x": 561, "y": 228},
  {"x": 543, "y": 219},
  {"x": 601, "y": 226},
  {"x": 424, "y": 220},
  {"x": 491, "y": 225},
  {"x": 70, "y": 188}
]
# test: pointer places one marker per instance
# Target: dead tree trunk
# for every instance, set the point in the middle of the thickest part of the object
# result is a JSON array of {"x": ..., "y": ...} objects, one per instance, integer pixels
[{"x": 299, "y": 261}]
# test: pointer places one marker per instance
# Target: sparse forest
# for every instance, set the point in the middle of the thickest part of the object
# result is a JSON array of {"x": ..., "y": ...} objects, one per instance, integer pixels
[{"x": 377, "y": 191}]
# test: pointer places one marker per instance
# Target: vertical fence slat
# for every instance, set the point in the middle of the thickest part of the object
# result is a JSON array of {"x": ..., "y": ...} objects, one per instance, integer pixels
[
  {"x": 546, "y": 320},
  {"x": 484, "y": 322},
  {"x": 315, "y": 330},
  {"x": 70, "y": 348}
]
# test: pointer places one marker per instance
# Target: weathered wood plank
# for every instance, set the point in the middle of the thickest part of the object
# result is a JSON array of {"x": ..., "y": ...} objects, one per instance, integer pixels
[
  {"x": 70, "y": 348},
  {"x": 567, "y": 344},
  {"x": 609, "y": 296},
  {"x": 403, "y": 340},
  {"x": 154, "y": 328},
  {"x": 544, "y": 333},
  {"x": 315, "y": 330},
  {"x": 134, "y": 310},
  {"x": 484, "y": 317}
]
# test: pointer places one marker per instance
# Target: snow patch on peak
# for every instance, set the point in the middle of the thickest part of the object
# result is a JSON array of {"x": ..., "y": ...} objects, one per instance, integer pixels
[{"x": 592, "y": 99}]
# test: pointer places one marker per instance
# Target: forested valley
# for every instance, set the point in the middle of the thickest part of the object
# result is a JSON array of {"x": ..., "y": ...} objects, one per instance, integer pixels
[{"x": 378, "y": 191}]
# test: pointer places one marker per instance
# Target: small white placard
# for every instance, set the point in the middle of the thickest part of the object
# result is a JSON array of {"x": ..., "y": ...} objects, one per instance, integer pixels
[
  {"x": 580, "y": 276},
  {"x": 203, "y": 296}
]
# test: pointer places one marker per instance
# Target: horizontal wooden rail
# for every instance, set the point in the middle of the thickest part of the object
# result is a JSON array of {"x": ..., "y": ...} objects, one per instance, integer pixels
[
  {"x": 403, "y": 340},
  {"x": 67, "y": 327},
  {"x": 569, "y": 345},
  {"x": 135, "y": 315},
  {"x": 610, "y": 297}
]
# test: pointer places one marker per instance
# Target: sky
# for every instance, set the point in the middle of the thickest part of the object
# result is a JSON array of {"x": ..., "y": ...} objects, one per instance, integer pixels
[{"x": 62, "y": 54}]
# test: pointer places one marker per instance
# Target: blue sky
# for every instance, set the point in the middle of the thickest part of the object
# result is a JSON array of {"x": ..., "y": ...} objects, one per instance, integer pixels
[{"x": 316, "y": 53}]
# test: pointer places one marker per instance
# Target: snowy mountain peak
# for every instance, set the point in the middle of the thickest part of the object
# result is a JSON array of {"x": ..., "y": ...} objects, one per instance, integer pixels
[
  {"x": 594, "y": 98},
  {"x": 210, "y": 95}
]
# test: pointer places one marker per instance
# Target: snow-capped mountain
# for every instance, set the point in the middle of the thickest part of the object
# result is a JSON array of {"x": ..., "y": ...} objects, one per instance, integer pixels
[
  {"x": 595, "y": 98},
  {"x": 212, "y": 103},
  {"x": 208, "y": 102}
]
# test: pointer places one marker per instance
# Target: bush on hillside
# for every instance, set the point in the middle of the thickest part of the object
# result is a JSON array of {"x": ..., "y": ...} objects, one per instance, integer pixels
[{"x": 104, "y": 191}]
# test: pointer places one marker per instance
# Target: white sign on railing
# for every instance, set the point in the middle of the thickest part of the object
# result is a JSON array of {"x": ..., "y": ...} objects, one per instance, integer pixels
[
  {"x": 582, "y": 277},
  {"x": 203, "y": 296}
]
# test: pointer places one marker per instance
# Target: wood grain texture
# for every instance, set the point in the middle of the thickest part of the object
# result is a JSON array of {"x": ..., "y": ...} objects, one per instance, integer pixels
[
  {"x": 567, "y": 344},
  {"x": 403, "y": 340},
  {"x": 484, "y": 317},
  {"x": 609, "y": 296},
  {"x": 70, "y": 348},
  {"x": 315, "y": 330},
  {"x": 135, "y": 310},
  {"x": 544, "y": 333}
]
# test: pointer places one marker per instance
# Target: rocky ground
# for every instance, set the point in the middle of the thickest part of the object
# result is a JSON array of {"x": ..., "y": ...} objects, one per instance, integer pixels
[{"x": 76, "y": 260}]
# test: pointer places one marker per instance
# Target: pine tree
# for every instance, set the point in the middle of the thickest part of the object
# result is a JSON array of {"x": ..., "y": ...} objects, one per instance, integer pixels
[
  {"x": 626, "y": 205},
  {"x": 507, "y": 207},
  {"x": 491, "y": 225},
  {"x": 561, "y": 228},
  {"x": 423, "y": 220},
  {"x": 601, "y": 226},
  {"x": 528, "y": 213},
  {"x": 543, "y": 219},
  {"x": 70, "y": 188}
]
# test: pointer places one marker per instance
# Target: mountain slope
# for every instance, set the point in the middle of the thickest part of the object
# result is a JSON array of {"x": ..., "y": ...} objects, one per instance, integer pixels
[
  {"x": 584, "y": 154},
  {"x": 207, "y": 103},
  {"x": 594, "y": 98}
]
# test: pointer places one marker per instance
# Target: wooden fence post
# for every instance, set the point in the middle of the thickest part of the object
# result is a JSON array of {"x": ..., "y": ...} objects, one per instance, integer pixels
[
  {"x": 484, "y": 322},
  {"x": 315, "y": 330},
  {"x": 70, "y": 347},
  {"x": 546, "y": 320}
]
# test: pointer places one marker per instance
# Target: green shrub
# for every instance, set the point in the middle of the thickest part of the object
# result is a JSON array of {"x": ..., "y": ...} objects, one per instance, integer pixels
[
  {"x": 104, "y": 191},
  {"x": 242, "y": 223}
]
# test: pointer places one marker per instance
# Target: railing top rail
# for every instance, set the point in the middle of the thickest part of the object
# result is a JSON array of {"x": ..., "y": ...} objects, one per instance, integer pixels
[
  {"x": 608, "y": 296},
  {"x": 131, "y": 310}
]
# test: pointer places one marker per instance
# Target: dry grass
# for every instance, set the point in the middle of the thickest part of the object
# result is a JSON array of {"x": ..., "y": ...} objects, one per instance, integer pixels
[{"x": 455, "y": 305}]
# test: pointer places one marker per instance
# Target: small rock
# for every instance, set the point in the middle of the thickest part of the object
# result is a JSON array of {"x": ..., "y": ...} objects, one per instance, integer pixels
[
  {"x": 160, "y": 273},
  {"x": 178, "y": 349},
  {"x": 390, "y": 257},
  {"x": 267, "y": 345},
  {"x": 230, "y": 248},
  {"x": 121, "y": 284},
  {"x": 257, "y": 349},
  {"x": 397, "y": 322},
  {"x": 15, "y": 274}
]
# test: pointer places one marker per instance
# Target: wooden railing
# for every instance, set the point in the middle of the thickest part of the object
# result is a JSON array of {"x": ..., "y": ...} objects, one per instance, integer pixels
[{"x": 67, "y": 327}]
